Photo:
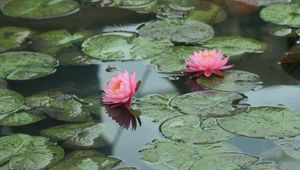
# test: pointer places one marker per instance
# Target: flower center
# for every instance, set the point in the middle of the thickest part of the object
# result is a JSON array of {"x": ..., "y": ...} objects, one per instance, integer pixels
[
  {"x": 116, "y": 86},
  {"x": 207, "y": 56}
]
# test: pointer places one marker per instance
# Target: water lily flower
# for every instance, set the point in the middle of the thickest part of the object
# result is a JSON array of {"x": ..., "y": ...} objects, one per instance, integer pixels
[
  {"x": 207, "y": 62},
  {"x": 120, "y": 90}
]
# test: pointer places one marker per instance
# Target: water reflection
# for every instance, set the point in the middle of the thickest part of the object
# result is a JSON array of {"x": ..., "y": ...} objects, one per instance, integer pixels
[{"x": 124, "y": 117}]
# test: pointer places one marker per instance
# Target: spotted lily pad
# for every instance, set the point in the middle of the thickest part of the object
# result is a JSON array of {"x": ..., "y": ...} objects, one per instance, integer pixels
[
  {"x": 234, "y": 45},
  {"x": 29, "y": 152},
  {"x": 77, "y": 135},
  {"x": 290, "y": 146},
  {"x": 13, "y": 38},
  {"x": 52, "y": 41},
  {"x": 60, "y": 106},
  {"x": 39, "y": 9},
  {"x": 26, "y": 65},
  {"x": 20, "y": 118},
  {"x": 208, "y": 103},
  {"x": 194, "y": 129},
  {"x": 263, "y": 122},
  {"x": 10, "y": 101},
  {"x": 234, "y": 81},
  {"x": 86, "y": 160},
  {"x": 181, "y": 156},
  {"x": 282, "y": 14},
  {"x": 178, "y": 31},
  {"x": 123, "y": 46},
  {"x": 172, "y": 61},
  {"x": 155, "y": 107}
]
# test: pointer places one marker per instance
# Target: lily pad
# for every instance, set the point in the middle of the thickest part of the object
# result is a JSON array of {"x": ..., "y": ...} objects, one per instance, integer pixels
[
  {"x": 282, "y": 14},
  {"x": 3, "y": 84},
  {"x": 52, "y": 41},
  {"x": 131, "y": 3},
  {"x": 265, "y": 166},
  {"x": 208, "y": 13},
  {"x": 86, "y": 160},
  {"x": 234, "y": 81},
  {"x": 77, "y": 135},
  {"x": 39, "y": 9},
  {"x": 281, "y": 31},
  {"x": 10, "y": 101},
  {"x": 155, "y": 107},
  {"x": 234, "y": 45},
  {"x": 194, "y": 129},
  {"x": 123, "y": 46},
  {"x": 181, "y": 5},
  {"x": 263, "y": 122},
  {"x": 181, "y": 156},
  {"x": 29, "y": 152},
  {"x": 60, "y": 106},
  {"x": 178, "y": 31},
  {"x": 20, "y": 118},
  {"x": 172, "y": 61},
  {"x": 290, "y": 146},
  {"x": 26, "y": 65},
  {"x": 12, "y": 38},
  {"x": 208, "y": 103}
]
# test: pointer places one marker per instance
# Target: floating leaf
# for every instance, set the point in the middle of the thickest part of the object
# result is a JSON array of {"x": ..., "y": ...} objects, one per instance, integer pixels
[
  {"x": 26, "y": 65},
  {"x": 60, "y": 106},
  {"x": 10, "y": 101},
  {"x": 234, "y": 81},
  {"x": 265, "y": 166},
  {"x": 172, "y": 61},
  {"x": 77, "y": 135},
  {"x": 194, "y": 129},
  {"x": 170, "y": 155},
  {"x": 282, "y": 14},
  {"x": 21, "y": 118},
  {"x": 290, "y": 146},
  {"x": 178, "y": 31},
  {"x": 155, "y": 107},
  {"x": 181, "y": 5},
  {"x": 131, "y": 3},
  {"x": 13, "y": 37},
  {"x": 39, "y": 9},
  {"x": 263, "y": 122},
  {"x": 86, "y": 160},
  {"x": 234, "y": 45},
  {"x": 3, "y": 84},
  {"x": 207, "y": 103},
  {"x": 208, "y": 13},
  {"x": 281, "y": 31},
  {"x": 29, "y": 152},
  {"x": 123, "y": 46}
]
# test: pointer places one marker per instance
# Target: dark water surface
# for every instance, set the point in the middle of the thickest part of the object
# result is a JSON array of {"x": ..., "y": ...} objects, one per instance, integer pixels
[{"x": 281, "y": 86}]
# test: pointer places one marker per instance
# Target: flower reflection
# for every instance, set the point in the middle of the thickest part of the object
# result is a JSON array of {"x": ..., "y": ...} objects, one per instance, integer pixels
[
  {"x": 124, "y": 117},
  {"x": 193, "y": 85}
]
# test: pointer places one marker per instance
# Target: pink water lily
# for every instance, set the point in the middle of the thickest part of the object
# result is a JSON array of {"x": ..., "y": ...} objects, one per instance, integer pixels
[
  {"x": 207, "y": 62},
  {"x": 120, "y": 90}
]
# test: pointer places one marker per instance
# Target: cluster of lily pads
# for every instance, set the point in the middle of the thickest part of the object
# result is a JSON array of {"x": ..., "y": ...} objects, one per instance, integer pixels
[{"x": 197, "y": 125}]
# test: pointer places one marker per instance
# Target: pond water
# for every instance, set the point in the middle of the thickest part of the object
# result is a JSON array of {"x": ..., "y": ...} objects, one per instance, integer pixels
[{"x": 280, "y": 83}]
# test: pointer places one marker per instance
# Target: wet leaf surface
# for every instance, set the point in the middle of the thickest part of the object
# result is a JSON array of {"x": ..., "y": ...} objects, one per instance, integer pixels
[
  {"x": 12, "y": 38},
  {"x": 77, "y": 135},
  {"x": 60, "y": 106},
  {"x": 234, "y": 81},
  {"x": 164, "y": 155},
  {"x": 39, "y": 9},
  {"x": 26, "y": 65},
  {"x": 21, "y": 118},
  {"x": 29, "y": 152},
  {"x": 263, "y": 122},
  {"x": 10, "y": 101},
  {"x": 208, "y": 103},
  {"x": 194, "y": 129}
]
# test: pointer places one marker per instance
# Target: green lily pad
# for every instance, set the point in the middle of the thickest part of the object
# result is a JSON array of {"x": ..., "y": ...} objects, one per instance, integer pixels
[
  {"x": 207, "y": 14},
  {"x": 176, "y": 31},
  {"x": 155, "y": 107},
  {"x": 181, "y": 5},
  {"x": 123, "y": 46},
  {"x": 52, "y": 41},
  {"x": 10, "y": 101},
  {"x": 181, "y": 156},
  {"x": 29, "y": 152},
  {"x": 86, "y": 160},
  {"x": 39, "y": 9},
  {"x": 77, "y": 135},
  {"x": 194, "y": 129},
  {"x": 290, "y": 146},
  {"x": 12, "y": 38},
  {"x": 263, "y": 122},
  {"x": 234, "y": 45},
  {"x": 234, "y": 81},
  {"x": 60, "y": 106},
  {"x": 208, "y": 103},
  {"x": 298, "y": 32},
  {"x": 172, "y": 61},
  {"x": 281, "y": 31},
  {"x": 265, "y": 166},
  {"x": 26, "y": 65},
  {"x": 21, "y": 118},
  {"x": 282, "y": 14},
  {"x": 131, "y": 3}
]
